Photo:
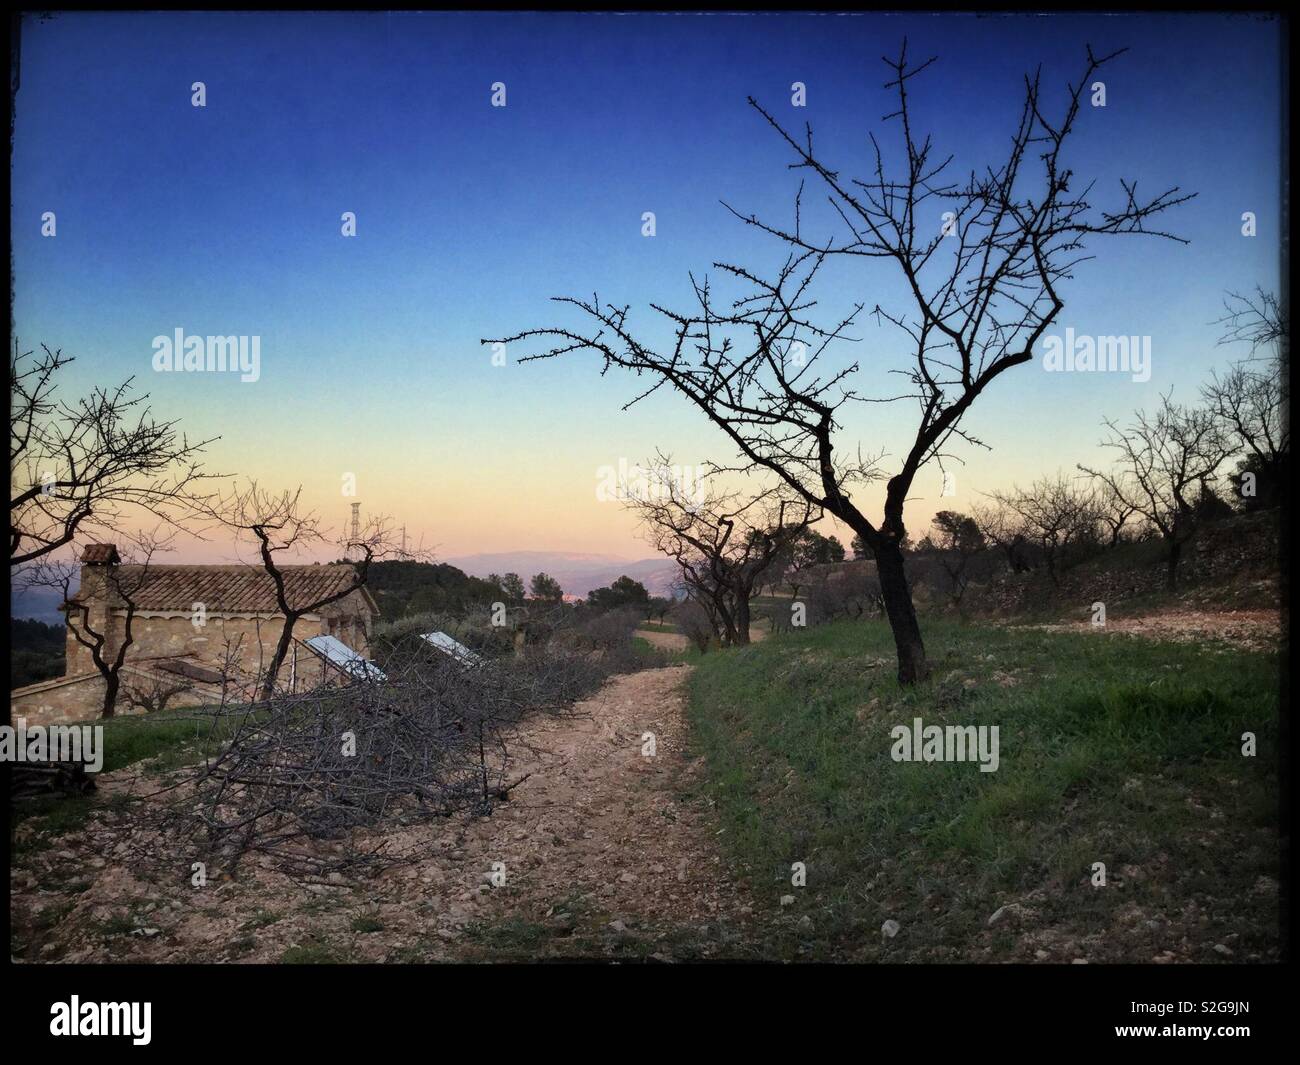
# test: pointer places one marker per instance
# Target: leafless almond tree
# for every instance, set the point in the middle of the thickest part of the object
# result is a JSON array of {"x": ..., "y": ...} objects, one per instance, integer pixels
[
  {"x": 1116, "y": 514},
  {"x": 77, "y": 467},
  {"x": 723, "y": 543},
  {"x": 1004, "y": 529},
  {"x": 1056, "y": 513},
  {"x": 1260, "y": 320},
  {"x": 1163, "y": 460},
  {"x": 1250, "y": 404},
  {"x": 107, "y": 633},
  {"x": 280, "y": 526},
  {"x": 980, "y": 259}
]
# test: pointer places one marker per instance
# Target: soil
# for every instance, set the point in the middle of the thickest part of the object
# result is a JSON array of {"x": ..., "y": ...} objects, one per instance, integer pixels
[{"x": 603, "y": 854}]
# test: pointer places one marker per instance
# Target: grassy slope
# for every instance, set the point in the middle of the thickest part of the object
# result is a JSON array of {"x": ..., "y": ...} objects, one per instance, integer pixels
[
  {"x": 1113, "y": 749},
  {"x": 172, "y": 738}
]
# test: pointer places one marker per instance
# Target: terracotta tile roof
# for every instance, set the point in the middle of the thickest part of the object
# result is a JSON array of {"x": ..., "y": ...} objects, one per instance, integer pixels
[{"x": 238, "y": 589}]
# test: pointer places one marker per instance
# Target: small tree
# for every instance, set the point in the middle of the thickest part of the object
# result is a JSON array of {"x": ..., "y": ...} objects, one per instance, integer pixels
[
  {"x": 979, "y": 259},
  {"x": 153, "y": 695},
  {"x": 546, "y": 588},
  {"x": 279, "y": 526},
  {"x": 695, "y": 623},
  {"x": 624, "y": 592},
  {"x": 1115, "y": 513},
  {"x": 1056, "y": 513},
  {"x": 76, "y": 469},
  {"x": 1163, "y": 460},
  {"x": 118, "y": 584},
  {"x": 1004, "y": 529},
  {"x": 722, "y": 543},
  {"x": 1248, "y": 402},
  {"x": 658, "y": 607},
  {"x": 513, "y": 586}
]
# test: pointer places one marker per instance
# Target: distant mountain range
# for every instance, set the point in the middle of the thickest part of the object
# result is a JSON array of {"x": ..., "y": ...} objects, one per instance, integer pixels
[
  {"x": 42, "y": 604},
  {"x": 578, "y": 574}
]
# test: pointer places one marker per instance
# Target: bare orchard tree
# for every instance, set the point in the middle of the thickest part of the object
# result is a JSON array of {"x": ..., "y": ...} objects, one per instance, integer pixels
[
  {"x": 723, "y": 543},
  {"x": 1162, "y": 462},
  {"x": 1056, "y": 513},
  {"x": 76, "y": 466},
  {"x": 979, "y": 258},
  {"x": 1260, "y": 320},
  {"x": 1004, "y": 529},
  {"x": 280, "y": 526},
  {"x": 1249, "y": 402},
  {"x": 1115, "y": 514},
  {"x": 100, "y": 614},
  {"x": 152, "y": 696},
  {"x": 695, "y": 622}
]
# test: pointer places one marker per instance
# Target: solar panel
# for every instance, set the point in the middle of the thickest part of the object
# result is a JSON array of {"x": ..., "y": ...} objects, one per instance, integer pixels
[
  {"x": 348, "y": 660},
  {"x": 453, "y": 648}
]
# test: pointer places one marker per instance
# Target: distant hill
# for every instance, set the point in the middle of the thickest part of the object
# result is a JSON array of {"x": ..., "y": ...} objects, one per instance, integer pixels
[
  {"x": 36, "y": 652},
  {"x": 577, "y": 573},
  {"x": 41, "y": 604},
  {"x": 416, "y": 587}
]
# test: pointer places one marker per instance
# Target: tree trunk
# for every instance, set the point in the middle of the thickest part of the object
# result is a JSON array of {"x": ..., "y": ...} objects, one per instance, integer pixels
[
  {"x": 112, "y": 682},
  {"x": 1171, "y": 564},
  {"x": 740, "y": 621},
  {"x": 894, "y": 589},
  {"x": 281, "y": 652}
]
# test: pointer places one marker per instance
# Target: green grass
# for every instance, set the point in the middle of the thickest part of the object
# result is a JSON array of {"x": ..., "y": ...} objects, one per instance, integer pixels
[
  {"x": 260, "y": 919},
  {"x": 169, "y": 740},
  {"x": 312, "y": 954},
  {"x": 1112, "y": 750},
  {"x": 366, "y": 923},
  {"x": 173, "y": 738}
]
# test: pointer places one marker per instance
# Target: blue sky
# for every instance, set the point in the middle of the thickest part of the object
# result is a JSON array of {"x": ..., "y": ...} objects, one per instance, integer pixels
[{"x": 225, "y": 219}]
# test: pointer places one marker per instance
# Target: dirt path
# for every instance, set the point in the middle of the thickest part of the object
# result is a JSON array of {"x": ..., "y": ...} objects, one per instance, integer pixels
[
  {"x": 676, "y": 641},
  {"x": 1253, "y": 630},
  {"x": 665, "y": 641},
  {"x": 602, "y": 857}
]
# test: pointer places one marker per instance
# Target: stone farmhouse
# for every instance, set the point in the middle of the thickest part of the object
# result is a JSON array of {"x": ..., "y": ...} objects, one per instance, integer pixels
[{"x": 203, "y": 628}]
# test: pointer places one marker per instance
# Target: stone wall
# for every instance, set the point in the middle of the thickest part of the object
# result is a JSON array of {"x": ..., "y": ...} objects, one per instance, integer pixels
[
  {"x": 79, "y": 694},
  {"x": 80, "y": 698}
]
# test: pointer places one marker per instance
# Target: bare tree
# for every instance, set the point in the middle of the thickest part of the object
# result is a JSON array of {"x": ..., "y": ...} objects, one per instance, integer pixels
[
  {"x": 76, "y": 467},
  {"x": 1163, "y": 461},
  {"x": 279, "y": 525},
  {"x": 1250, "y": 404},
  {"x": 1115, "y": 513},
  {"x": 153, "y": 695},
  {"x": 695, "y": 623},
  {"x": 115, "y": 584},
  {"x": 1004, "y": 528},
  {"x": 980, "y": 259},
  {"x": 1056, "y": 513},
  {"x": 1260, "y": 320},
  {"x": 723, "y": 543}
]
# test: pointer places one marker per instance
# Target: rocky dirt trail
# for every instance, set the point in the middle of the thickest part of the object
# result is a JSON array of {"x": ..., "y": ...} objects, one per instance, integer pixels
[{"x": 604, "y": 854}]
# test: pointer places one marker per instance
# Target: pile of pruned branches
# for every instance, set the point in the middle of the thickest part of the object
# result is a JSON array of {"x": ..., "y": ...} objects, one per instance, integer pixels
[{"x": 313, "y": 780}]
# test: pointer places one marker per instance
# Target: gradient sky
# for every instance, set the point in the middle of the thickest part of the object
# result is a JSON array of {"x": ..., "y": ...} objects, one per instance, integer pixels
[{"x": 226, "y": 220}]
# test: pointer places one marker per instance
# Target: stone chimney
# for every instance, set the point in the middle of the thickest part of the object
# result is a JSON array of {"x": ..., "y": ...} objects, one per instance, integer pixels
[{"x": 98, "y": 562}]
